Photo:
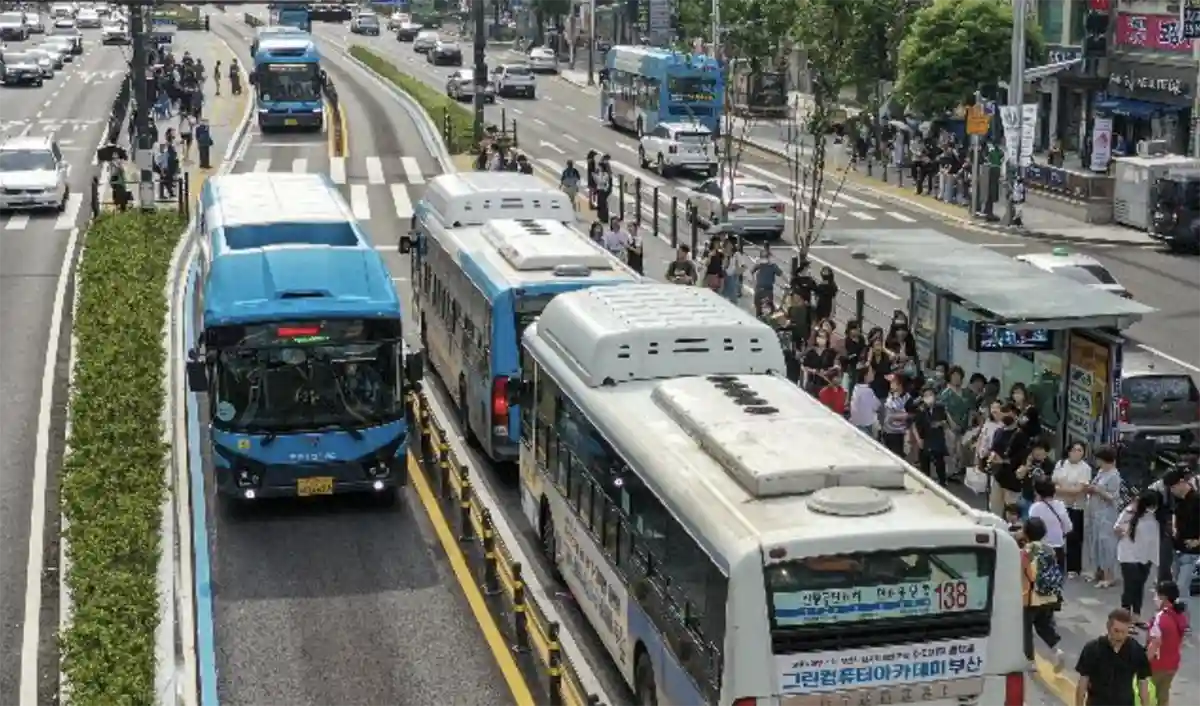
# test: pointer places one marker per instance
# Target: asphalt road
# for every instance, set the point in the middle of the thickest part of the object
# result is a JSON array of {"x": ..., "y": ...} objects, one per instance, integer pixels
[
  {"x": 339, "y": 604},
  {"x": 73, "y": 106}
]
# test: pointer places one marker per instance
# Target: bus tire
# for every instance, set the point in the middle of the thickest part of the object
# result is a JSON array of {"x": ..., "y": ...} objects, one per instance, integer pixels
[{"x": 645, "y": 690}]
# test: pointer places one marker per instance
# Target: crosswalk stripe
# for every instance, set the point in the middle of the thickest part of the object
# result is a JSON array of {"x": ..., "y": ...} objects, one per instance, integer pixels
[
  {"x": 66, "y": 219},
  {"x": 359, "y": 204},
  {"x": 647, "y": 180},
  {"x": 901, "y": 217},
  {"x": 262, "y": 165},
  {"x": 337, "y": 169},
  {"x": 374, "y": 170},
  {"x": 862, "y": 216},
  {"x": 299, "y": 166},
  {"x": 404, "y": 208},
  {"x": 412, "y": 170},
  {"x": 856, "y": 201},
  {"x": 18, "y": 222}
]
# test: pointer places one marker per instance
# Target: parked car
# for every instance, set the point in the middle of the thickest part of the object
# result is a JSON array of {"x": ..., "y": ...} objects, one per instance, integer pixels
[
  {"x": 445, "y": 53},
  {"x": 424, "y": 41},
  {"x": 514, "y": 80},
  {"x": 670, "y": 147},
  {"x": 1081, "y": 268},
  {"x": 461, "y": 86},
  {"x": 20, "y": 68},
  {"x": 752, "y": 208},
  {"x": 543, "y": 60},
  {"x": 1158, "y": 403},
  {"x": 33, "y": 174}
]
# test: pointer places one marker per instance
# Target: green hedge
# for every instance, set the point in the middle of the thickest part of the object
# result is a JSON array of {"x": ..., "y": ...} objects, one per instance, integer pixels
[
  {"x": 112, "y": 479},
  {"x": 436, "y": 104}
]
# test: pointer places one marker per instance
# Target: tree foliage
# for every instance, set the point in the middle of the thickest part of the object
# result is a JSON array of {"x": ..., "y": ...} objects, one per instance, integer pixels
[
  {"x": 880, "y": 29},
  {"x": 956, "y": 47}
]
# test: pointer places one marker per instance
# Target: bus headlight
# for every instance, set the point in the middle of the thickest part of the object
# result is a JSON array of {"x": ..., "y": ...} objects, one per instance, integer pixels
[
  {"x": 318, "y": 110},
  {"x": 379, "y": 469}
]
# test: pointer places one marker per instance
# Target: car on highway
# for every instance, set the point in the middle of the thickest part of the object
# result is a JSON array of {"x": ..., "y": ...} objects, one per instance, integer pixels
[
  {"x": 59, "y": 53},
  {"x": 88, "y": 19},
  {"x": 444, "y": 52},
  {"x": 33, "y": 174},
  {"x": 114, "y": 34},
  {"x": 62, "y": 10},
  {"x": 672, "y": 147},
  {"x": 752, "y": 208},
  {"x": 35, "y": 23},
  {"x": 13, "y": 27},
  {"x": 1157, "y": 404},
  {"x": 408, "y": 31},
  {"x": 46, "y": 60},
  {"x": 1081, "y": 268},
  {"x": 64, "y": 23},
  {"x": 397, "y": 20},
  {"x": 424, "y": 41},
  {"x": 63, "y": 45},
  {"x": 365, "y": 23},
  {"x": 543, "y": 60},
  {"x": 71, "y": 35},
  {"x": 514, "y": 80},
  {"x": 20, "y": 68},
  {"x": 461, "y": 86}
]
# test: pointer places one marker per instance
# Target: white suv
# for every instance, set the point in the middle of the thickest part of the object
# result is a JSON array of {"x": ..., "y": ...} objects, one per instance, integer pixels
[
  {"x": 33, "y": 174},
  {"x": 678, "y": 146},
  {"x": 514, "y": 80},
  {"x": 461, "y": 86}
]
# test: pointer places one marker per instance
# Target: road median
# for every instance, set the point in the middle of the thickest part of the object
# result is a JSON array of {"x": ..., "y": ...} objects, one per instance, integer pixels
[{"x": 112, "y": 477}]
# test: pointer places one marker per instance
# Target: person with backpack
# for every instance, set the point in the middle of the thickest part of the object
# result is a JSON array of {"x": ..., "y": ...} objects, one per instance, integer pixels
[
  {"x": 1165, "y": 646},
  {"x": 1138, "y": 550},
  {"x": 1042, "y": 582}
]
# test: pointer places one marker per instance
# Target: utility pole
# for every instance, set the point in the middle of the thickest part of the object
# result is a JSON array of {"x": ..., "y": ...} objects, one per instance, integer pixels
[
  {"x": 716, "y": 30},
  {"x": 142, "y": 155},
  {"x": 1016, "y": 95},
  {"x": 481, "y": 68},
  {"x": 592, "y": 43}
]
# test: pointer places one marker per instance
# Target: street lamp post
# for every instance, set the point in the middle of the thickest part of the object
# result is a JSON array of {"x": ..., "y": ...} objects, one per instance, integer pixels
[{"x": 1016, "y": 95}]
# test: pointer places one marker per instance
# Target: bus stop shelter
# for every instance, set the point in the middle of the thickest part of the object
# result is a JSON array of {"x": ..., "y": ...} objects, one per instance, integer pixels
[{"x": 987, "y": 313}]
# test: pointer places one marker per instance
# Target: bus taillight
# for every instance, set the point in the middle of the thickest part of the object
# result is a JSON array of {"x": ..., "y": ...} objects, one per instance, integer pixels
[
  {"x": 1014, "y": 689},
  {"x": 500, "y": 402}
]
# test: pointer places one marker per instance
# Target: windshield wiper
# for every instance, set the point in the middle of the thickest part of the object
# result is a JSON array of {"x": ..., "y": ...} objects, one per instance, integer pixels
[{"x": 339, "y": 423}]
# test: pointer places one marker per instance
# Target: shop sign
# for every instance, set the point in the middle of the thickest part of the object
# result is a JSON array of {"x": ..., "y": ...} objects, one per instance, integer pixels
[
  {"x": 1162, "y": 85},
  {"x": 1189, "y": 14},
  {"x": 1087, "y": 385},
  {"x": 1154, "y": 32}
]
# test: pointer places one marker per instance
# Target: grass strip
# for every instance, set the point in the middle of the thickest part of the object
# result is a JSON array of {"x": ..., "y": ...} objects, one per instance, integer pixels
[
  {"x": 112, "y": 481},
  {"x": 436, "y": 104}
]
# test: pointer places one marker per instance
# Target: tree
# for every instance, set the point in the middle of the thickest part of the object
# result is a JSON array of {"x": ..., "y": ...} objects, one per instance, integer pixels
[
  {"x": 956, "y": 47},
  {"x": 544, "y": 10}
]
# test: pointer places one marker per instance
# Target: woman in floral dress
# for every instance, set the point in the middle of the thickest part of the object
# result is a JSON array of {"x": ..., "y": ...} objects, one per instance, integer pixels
[{"x": 1103, "y": 508}]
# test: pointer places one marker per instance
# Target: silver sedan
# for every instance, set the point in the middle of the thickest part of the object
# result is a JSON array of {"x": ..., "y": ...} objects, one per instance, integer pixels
[{"x": 751, "y": 207}]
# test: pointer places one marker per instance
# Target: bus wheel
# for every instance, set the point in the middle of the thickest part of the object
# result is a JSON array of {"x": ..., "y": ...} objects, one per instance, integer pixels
[{"x": 646, "y": 692}]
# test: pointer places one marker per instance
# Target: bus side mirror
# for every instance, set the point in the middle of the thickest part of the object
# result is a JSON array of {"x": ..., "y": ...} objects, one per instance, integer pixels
[
  {"x": 414, "y": 367},
  {"x": 197, "y": 373},
  {"x": 406, "y": 244}
]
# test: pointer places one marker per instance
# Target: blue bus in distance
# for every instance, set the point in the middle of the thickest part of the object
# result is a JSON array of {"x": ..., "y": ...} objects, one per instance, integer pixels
[
  {"x": 298, "y": 16},
  {"x": 476, "y": 288},
  {"x": 641, "y": 87},
  {"x": 287, "y": 81},
  {"x": 300, "y": 350}
]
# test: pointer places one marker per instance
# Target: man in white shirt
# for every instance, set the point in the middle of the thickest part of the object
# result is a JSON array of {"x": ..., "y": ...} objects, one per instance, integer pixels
[{"x": 616, "y": 240}]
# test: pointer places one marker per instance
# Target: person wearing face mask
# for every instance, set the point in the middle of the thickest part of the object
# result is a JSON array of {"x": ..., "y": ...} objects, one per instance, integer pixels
[
  {"x": 735, "y": 272},
  {"x": 958, "y": 401},
  {"x": 825, "y": 293},
  {"x": 1009, "y": 448},
  {"x": 1071, "y": 475},
  {"x": 899, "y": 337},
  {"x": 854, "y": 347},
  {"x": 880, "y": 362},
  {"x": 818, "y": 364},
  {"x": 929, "y": 427},
  {"x": 894, "y": 415},
  {"x": 764, "y": 273}
]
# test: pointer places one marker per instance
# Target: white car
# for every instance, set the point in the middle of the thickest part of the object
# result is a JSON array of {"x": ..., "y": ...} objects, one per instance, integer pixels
[
  {"x": 64, "y": 23},
  {"x": 514, "y": 80},
  {"x": 88, "y": 19},
  {"x": 114, "y": 34},
  {"x": 425, "y": 41},
  {"x": 461, "y": 86},
  {"x": 59, "y": 53},
  {"x": 62, "y": 45},
  {"x": 45, "y": 60},
  {"x": 750, "y": 206},
  {"x": 33, "y": 174},
  {"x": 35, "y": 23},
  {"x": 396, "y": 20},
  {"x": 13, "y": 27},
  {"x": 62, "y": 10},
  {"x": 1084, "y": 269},
  {"x": 678, "y": 146},
  {"x": 543, "y": 60}
]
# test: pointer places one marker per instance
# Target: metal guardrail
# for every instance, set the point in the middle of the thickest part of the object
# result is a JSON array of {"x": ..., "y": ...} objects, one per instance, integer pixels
[
  {"x": 533, "y": 637},
  {"x": 334, "y": 120},
  {"x": 181, "y": 199},
  {"x": 252, "y": 20}
]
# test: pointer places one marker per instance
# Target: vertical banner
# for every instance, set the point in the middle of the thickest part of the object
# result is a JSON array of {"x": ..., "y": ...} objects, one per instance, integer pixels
[
  {"x": 1101, "y": 144},
  {"x": 1020, "y": 129},
  {"x": 1189, "y": 19},
  {"x": 1087, "y": 385}
]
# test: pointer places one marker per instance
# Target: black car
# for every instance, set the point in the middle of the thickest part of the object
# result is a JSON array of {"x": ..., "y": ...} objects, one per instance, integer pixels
[
  {"x": 445, "y": 53},
  {"x": 19, "y": 69},
  {"x": 407, "y": 32},
  {"x": 1177, "y": 212}
]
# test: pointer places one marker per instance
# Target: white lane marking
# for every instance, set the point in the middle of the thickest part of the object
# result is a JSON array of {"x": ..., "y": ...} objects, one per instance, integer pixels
[
  {"x": 518, "y": 111},
  {"x": 570, "y": 107},
  {"x": 412, "y": 170},
  {"x": 568, "y": 138},
  {"x": 765, "y": 173},
  {"x": 66, "y": 220},
  {"x": 337, "y": 170},
  {"x": 404, "y": 208},
  {"x": 647, "y": 180},
  {"x": 374, "y": 170},
  {"x": 18, "y": 222},
  {"x": 862, "y": 216},
  {"x": 1169, "y": 358},
  {"x": 262, "y": 165},
  {"x": 31, "y": 629},
  {"x": 359, "y": 203},
  {"x": 540, "y": 122},
  {"x": 856, "y": 201},
  {"x": 901, "y": 217},
  {"x": 299, "y": 166}
]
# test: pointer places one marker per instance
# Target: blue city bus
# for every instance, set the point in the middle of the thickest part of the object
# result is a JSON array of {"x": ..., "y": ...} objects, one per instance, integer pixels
[
  {"x": 643, "y": 86},
  {"x": 271, "y": 32},
  {"x": 297, "y": 16},
  {"x": 287, "y": 79},
  {"x": 475, "y": 289},
  {"x": 300, "y": 351}
]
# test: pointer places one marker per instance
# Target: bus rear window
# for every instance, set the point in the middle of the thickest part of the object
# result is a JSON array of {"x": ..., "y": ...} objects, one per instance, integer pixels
[{"x": 879, "y": 586}]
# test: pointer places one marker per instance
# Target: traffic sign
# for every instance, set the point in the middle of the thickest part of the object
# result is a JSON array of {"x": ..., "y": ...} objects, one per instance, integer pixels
[{"x": 978, "y": 120}]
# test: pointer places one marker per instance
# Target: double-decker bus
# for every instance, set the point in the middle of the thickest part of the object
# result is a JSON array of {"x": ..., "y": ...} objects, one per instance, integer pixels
[
  {"x": 476, "y": 286},
  {"x": 300, "y": 350},
  {"x": 643, "y": 86},
  {"x": 733, "y": 541},
  {"x": 287, "y": 82}
]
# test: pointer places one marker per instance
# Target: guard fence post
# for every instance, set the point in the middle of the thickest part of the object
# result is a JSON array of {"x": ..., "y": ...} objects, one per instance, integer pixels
[
  {"x": 694, "y": 220},
  {"x": 466, "y": 532},
  {"x": 95, "y": 196},
  {"x": 860, "y": 305},
  {"x": 554, "y": 665},
  {"x": 491, "y": 576},
  {"x": 520, "y": 617},
  {"x": 674, "y": 221},
  {"x": 655, "y": 212},
  {"x": 514, "y": 134},
  {"x": 621, "y": 196},
  {"x": 443, "y": 469},
  {"x": 637, "y": 200}
]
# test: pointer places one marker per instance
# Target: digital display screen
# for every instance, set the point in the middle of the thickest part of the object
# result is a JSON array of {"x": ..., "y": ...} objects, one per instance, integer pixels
[
  {"x": 987, "y": 338},
  {"x": 301, "y": 333},
  {"x": 691, "y": 90},
  {"x": 289, "y": 68}
]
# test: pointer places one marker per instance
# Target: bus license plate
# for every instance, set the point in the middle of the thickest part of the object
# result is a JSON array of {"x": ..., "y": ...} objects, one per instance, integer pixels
[
  {"x": 322, "y": 485},
  {"x": 289, "y": 121},
  {"x": 949, "y": 690}
]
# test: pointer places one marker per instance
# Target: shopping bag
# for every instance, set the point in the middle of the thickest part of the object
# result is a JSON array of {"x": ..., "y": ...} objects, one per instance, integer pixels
[
  {"x": 1137, "y": 696},
  {"x": 976, "y": 480}
]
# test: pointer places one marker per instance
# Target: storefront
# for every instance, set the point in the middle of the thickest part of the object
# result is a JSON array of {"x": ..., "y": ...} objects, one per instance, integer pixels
[{"x": 1150, "y": 101}]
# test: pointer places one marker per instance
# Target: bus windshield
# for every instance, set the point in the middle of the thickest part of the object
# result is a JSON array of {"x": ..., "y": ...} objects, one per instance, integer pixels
[
  {"x": 307, "y": 376},
  {"x": 691, "y": 89},
  {"x": 289, "y": 82},
  {"x": 771, "y": 90},
  {"x": 869, "y": 593}
]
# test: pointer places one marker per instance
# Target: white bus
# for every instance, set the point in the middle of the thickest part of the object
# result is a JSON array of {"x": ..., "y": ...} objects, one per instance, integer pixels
[{"x": 731, "y": 540}]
